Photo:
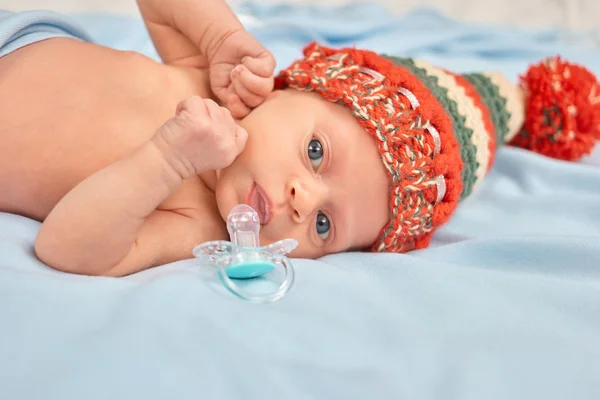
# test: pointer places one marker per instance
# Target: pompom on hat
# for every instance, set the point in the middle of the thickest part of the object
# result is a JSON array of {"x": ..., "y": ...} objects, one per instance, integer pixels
[{"x": 438, "y": 131}]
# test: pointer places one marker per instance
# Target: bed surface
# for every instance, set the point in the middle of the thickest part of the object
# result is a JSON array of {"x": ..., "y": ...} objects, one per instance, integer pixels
[{"x": 504, "y": 305}]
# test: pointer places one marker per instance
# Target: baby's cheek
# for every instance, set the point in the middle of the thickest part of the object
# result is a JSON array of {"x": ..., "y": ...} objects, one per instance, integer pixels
[{"x": 307, "y": 250}]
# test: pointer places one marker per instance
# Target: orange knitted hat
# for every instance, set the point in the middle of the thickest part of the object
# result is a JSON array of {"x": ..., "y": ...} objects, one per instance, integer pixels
[{"x": 438, "y": 131}]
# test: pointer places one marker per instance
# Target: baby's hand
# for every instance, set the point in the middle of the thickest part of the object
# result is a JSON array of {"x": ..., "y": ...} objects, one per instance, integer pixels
[
  {"x": 241, "y": 72},
  {"x": 201, "y": 137}
]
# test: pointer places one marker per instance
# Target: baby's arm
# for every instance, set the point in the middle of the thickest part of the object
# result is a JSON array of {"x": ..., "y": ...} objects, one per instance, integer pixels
[
  {"x": 185, "y": 32},
  {"x": 207, "y": 34},
  {"x": 109, "y": 225}
]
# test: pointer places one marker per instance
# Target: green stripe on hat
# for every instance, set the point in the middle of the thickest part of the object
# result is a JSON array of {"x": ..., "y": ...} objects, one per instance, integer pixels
[
  {"x": 490, "y": 95},
  {"x": 461, "y": 132}
]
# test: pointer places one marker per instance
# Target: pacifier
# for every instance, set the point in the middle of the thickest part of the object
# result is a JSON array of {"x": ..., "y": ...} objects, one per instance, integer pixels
[{"x": 243, "y": 258}]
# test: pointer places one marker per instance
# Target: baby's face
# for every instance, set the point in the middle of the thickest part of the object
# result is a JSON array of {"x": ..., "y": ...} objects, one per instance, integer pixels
[{"x": 311, "y": 172}]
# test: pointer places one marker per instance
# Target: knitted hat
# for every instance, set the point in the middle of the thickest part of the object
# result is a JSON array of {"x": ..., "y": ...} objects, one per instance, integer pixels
[{"x": 438, "y": 131}]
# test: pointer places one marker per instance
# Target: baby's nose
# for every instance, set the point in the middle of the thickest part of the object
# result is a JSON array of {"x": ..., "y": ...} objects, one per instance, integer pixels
[{"x": 306, "y": 197}]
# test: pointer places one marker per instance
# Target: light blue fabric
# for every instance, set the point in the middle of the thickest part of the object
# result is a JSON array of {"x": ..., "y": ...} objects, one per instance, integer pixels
[
  {"x": 504, "y": 305},
  {"x": 20, "y": 29}
]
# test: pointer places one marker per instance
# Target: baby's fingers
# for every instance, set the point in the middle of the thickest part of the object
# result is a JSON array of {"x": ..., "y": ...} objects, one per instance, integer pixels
[
  {"x": 236, "y": 106},
  {"x": 263, "y": 65},
  {"x": 256, "y": 84},
  {"x": 240, "y": 138},
  {"x": 250, "y": 99}
]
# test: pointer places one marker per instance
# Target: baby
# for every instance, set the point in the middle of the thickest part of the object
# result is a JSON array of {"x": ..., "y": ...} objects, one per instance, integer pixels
[{"x": 86, "y": 149}]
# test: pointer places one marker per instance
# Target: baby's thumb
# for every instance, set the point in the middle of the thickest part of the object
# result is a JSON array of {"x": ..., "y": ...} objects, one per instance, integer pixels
[
  {"x": 263, "y": 65},
  {"x": 241, "y": 136}
]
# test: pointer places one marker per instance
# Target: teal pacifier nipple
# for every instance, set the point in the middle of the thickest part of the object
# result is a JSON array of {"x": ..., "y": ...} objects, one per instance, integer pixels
[{"x": 244, "y": 258}]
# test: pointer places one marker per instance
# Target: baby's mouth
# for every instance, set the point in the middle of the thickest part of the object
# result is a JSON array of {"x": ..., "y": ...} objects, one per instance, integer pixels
[{"x": 258, "y": 199}]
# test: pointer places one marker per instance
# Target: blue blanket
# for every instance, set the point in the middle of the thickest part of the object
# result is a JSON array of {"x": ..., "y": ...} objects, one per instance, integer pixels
[{"x": 504, "y": 305}]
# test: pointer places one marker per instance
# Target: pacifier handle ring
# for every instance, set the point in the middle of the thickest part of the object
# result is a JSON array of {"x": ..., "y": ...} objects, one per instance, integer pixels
[{"x": 270, "y": 298}]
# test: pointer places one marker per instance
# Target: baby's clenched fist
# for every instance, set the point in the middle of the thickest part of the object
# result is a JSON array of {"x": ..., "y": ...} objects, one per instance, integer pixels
[{"x": 202, "y": 136}]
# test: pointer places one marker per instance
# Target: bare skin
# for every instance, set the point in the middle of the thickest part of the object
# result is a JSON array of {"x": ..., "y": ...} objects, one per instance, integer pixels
[
  {"x": 90, "y": 107},
  {"x": 60, "y": 137},
  {"x": 99, "y": 146}
]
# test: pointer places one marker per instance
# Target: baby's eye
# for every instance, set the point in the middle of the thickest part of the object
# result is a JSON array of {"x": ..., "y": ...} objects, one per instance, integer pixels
[
  {"x": 315, "y": 153},
  {"x": 323, "y": 225}
]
